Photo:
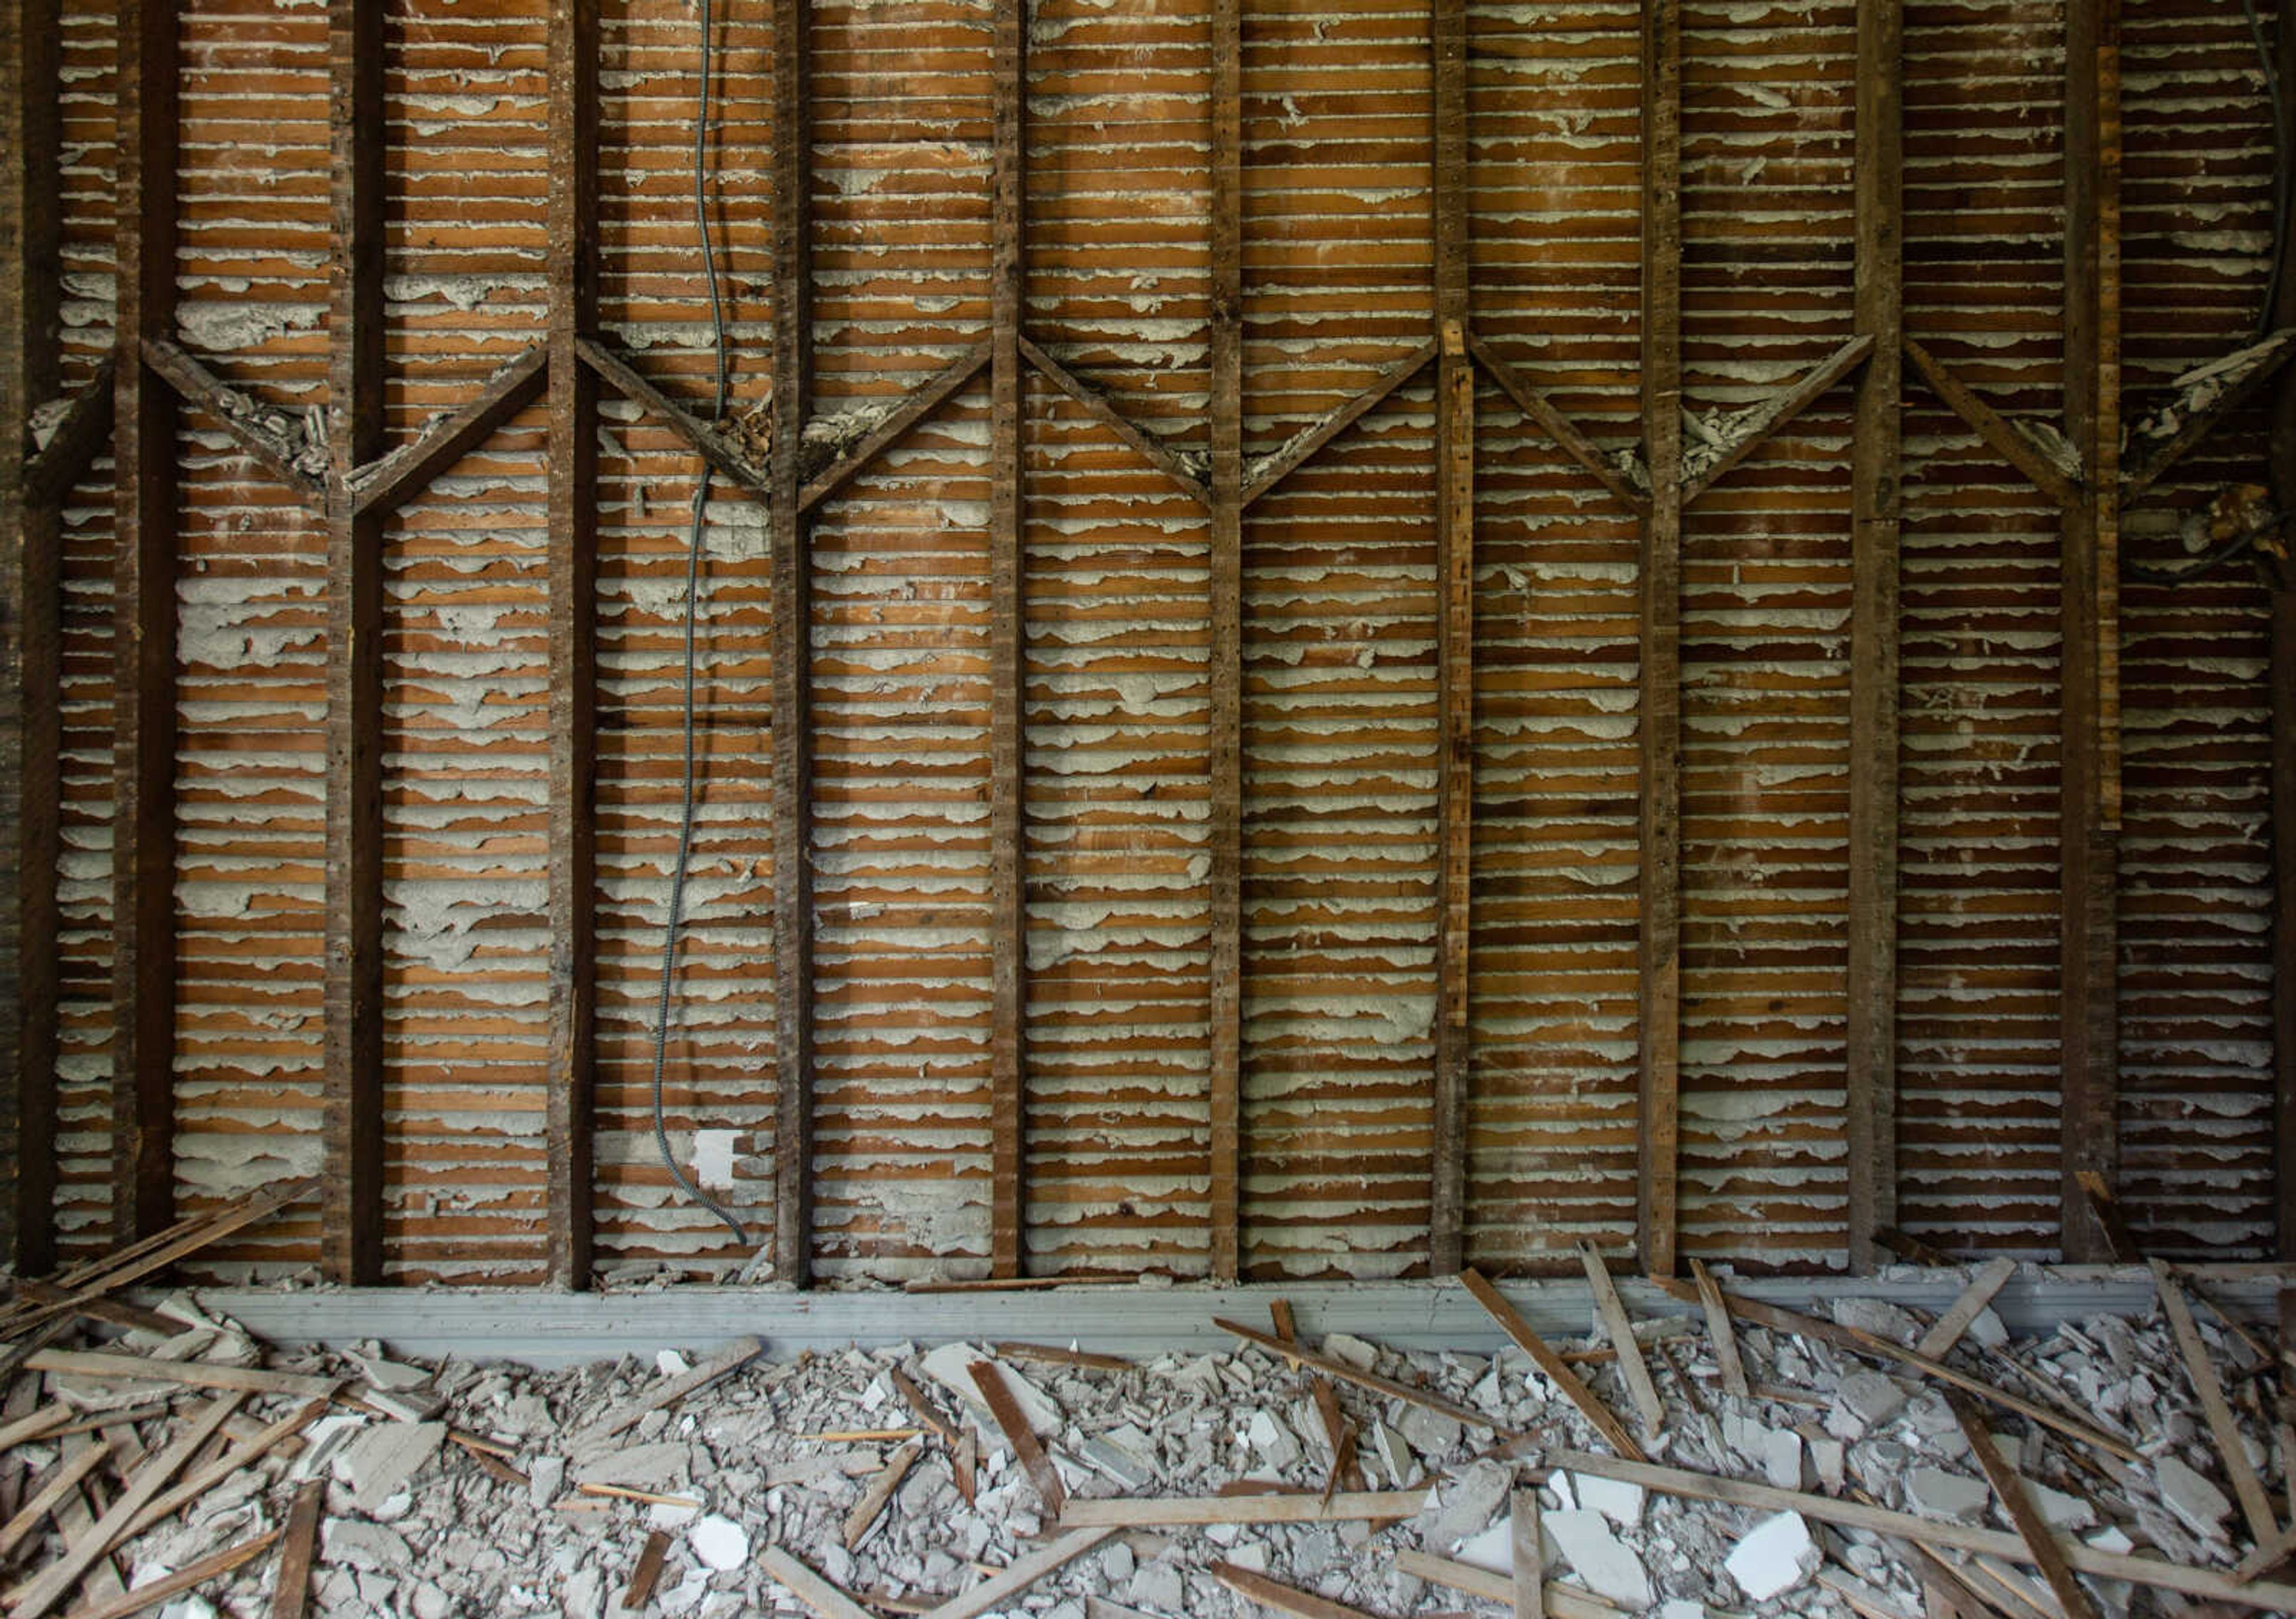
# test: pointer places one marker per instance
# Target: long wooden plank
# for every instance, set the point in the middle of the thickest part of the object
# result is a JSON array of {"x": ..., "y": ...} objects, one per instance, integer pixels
[
  {"x": 30, "y": 629},
  {"x": 1658, "y": 634},
  {"x": 291, "y": 1594},
  {"x": 1724, "y": 1337},
  {"x": 990, "y": 1380},
  {"x": 1556, "y": 424},
  {"x": 947, "y": 384},
  {"x": 572, "y": 548},
  {"x": 810, "y": 1588},
  {"x": 65, "y": 1478},
  {"x": 1779, "y": 411},
  {"x": 1556, "y": 1369},
  {"x": 2205, "y": 1582},
  {"x": 1008, "y": 609},
  {"x": 1223, "y": 494},
  {"x": 143, "y": 516},
  {"x": 724, "y": 1363},
  {"x": 199, "y": 386},
  {"x": 191, "y": 1374},
  {"x": 1620, "y": 1328},
  {"x": 2255, "y": 1505},
  {"x": 1265, "y": 475},
  {"x": 245, "y": 1454},
  {"x": 1871, "y": 1054},
  {"x": 350, "y": 1225},
  {"x": 1454, "y": 644},
  {"x": 1999, "y": 434},
  {"x": 386, "y": 484},
  {"x": 1282, "y": 1598},
  {"x": 190, "y": 1577},
  {"x": 1945, "y": 1331},
  {"x": 1177, "y": 1511},
  {"x": 1526, "y": 1552},
  {"x": 792, "y": 615},
  {"x": 2089, "y": 815},
  {"x": 1373, "y": 1381},
  {"x": 1096, "y": 403},
  {"x": 1562, "y": 1602},
  {"x": 2043, "y": 1550},
  {"x": 1008, "y": 1583}
]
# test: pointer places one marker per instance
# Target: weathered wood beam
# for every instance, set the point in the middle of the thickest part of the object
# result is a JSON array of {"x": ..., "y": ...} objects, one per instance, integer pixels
[
  {"x": 705, "y": 440},
  {"x": 1225, "y": 832},
  {"x": 2281, "y": 680},
  {"x": 386, "y": 484},
  {"x": 350, "y": 1225},
  {"x": 30, "y": 624},
  {"x": 1267, "y": 473},
  {"x": 2001, "y": 434},
  {"x": 1008, "y": 913},
  {"x": 572, "y": 547},
  {"x": 792, "y": 588},
  {"x": 1455, "y": 641},
  {"x": 1555, "y": 425},
  {"x": 1153, "y": 450},
  {"x": 2089, "y": 803},
  {"x": 946, "y": 385},
  {"x": 1871, "y": 1070},
  {"x": 198, "y": 385},
  {"x": 143, "y": 632},
  {"x": 1659, "y": 996},
  {"x": 1777, "y": 412},
  {"x": 51, "y": 471},
  {"x": 2198, "y": 401}
]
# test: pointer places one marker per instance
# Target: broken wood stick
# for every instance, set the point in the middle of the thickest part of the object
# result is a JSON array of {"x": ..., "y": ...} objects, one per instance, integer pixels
[
  {"x": 731, "y": 1358},
  {"x": 1562, "y": 1602},
  {"x": 2255, "y": 1505},
  {"x": 1345, "y": 1373},
  {"x": 2203, "y": 1583},
  {"x": 200, "y": 1480},
  {"x": 193, "y": 1373},
  {"x": 1574, "y": 1389},
  {"x": 1283, "y": 1599},
  {"x": 873, "y": 1500},
  {"x": 990, "y": 1380},
  {"x": 1144, "y": 1512},
  {"x": 2106, "y": 1211},
  {"x": 810, "y": 1588},
  {"x": 1338, "y": 1431},
  {"x": 1945, "y": 1331},
  {"x": 1720, "y": 1332},
  {"x": 2041, "y": 1544},
  {"x": 35, "y": 1425},
  {"x": 1053, "y": 1354},
  {"x": 65, "y": 1479},
  {"x": 640, "y": 1590},
  {"x": 926, "y": 1412},
  {"x": 152, "y": 1592},
  {"x": 1620, "y": 1327},
  {"x": 291, "y": 1594},
  {"x": 998, "y": 1588},
  {"x": 1526, "y": 1552}
]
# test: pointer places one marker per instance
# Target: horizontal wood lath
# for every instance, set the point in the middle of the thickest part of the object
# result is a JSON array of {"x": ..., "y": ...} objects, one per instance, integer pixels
[{"x": 1193, "y": 918}]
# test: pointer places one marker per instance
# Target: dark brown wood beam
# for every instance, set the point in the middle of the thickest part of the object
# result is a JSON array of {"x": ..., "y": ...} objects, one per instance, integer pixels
[
  {"x": 229, "y": 407},
  {"x": 1265, "y": 475},
  {"x": 1454, "y": 658},
  {"x": 1556, "y": 424},
  {"x": 570, "y": 1101},
  {"x": 946, "y": 385},
  {"x": 1225, "y": 497},
  {"x": 2281, "y": 678},
  {"x": 1008, "y": 609},
  {"x": 144, "y": 633},
  {"x": 2089, "y": 805},
  {"x": 1779, "y": 410},
  {"x": 1998, "y": 431},
  {"x": 386, "y": 484},
  {"x": 705, "y": 440},
  {"x": 1659, "y": 998},
  {"x": 793, "y": 613},
  {"x": 351, "y": 1227},
  {"x": 2154, "y": 446},
  {"x": 51, "y": 471},
  {"x": 1153, "y": 450},
  {"x": 31, "y": 627},
  {"x": 1871, "y": 1077}
]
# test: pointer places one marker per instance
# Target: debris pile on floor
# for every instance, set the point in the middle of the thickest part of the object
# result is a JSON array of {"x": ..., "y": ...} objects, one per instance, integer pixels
[{"x": 1734, "y": 1458}]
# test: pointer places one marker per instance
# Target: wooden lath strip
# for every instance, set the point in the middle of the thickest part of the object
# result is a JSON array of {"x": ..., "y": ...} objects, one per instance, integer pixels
[
  {"x": 945, "y": 385},
  {"x": 391, "y": 482},
  {"x": 791, "y": 589},
  {"x": 2001, "y": 434},
  {"x": 1875, "y": 451},
  {"x": 2157, "y": 442},
  {"x": 1008, "y": 918},
  {"x": 51, "y": 471},
  {"x": 1265, "y": 475},
  {"x": 2280, "y": 681},
  {"x": 146, "y": 477},
  {"x": 351, "y": 1227},
  {"x": 1556, "y": 424},
  {"x": 1658, "y": 975},
  {"x": 572, "y": 379},
  {"x": 1151, "y": 448},
  {"x": 1455, "y": 642},
  {"x": 1779, "y": 410},
  {"x": 198, "y": 385},
  {"x": 1225, "y": 495}
]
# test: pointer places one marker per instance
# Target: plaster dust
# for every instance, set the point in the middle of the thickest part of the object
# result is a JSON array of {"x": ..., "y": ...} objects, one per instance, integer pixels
[{"x": 779, "y": 1451}]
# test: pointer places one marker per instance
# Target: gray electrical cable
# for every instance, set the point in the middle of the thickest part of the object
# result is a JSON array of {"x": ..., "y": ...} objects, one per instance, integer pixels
[{"x": 693, "y": 613}]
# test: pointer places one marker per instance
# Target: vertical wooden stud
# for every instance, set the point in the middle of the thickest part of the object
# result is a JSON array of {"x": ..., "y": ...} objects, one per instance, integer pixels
[
  {"x": 1225, "y": 608},
  {"x": 2089, "y": 813},
  {"x": 792, "y": 612},
  {"x": 573, "y": 551},
  {"x": 1455, "y": 565},
  {"x": 31, "y": 723},
  {"x": 1660, "y": 968},
  {"x": 351, "y": 1218},
  {"x": 144, "y": 636},
  {"x": 2281, "y": 677},
  {"x": 1872, "y": 1078},
  {"x": 1008, "y": 915}
]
